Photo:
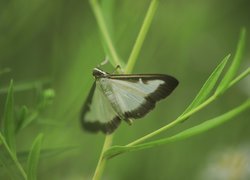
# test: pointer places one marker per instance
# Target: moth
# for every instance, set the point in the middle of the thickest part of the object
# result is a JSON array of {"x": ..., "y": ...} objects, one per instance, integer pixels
[{"x": 117, "y": 97}]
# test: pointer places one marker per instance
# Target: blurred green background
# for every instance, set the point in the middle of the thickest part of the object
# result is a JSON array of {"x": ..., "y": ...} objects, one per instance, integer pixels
[{"x": 56, "y": 44}]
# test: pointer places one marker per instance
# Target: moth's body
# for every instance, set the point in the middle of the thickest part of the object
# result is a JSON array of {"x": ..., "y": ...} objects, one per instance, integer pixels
[{"x": 123, "y": 97}]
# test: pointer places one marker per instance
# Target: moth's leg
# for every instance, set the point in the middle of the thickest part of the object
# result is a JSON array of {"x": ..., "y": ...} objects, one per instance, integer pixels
[
  {"x": 106, "y": 60},
  {"x": 117, "y": 69},
  {"x": 129, "y": 121}
]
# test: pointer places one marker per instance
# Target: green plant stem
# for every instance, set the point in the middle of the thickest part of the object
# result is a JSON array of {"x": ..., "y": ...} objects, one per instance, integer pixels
[
  {"x": 102, "y": 161},
  {"x": 104, "y": 30},
  {"x": 190, "y": 132},
  {"x": 141, "y": 36},
  {"x": 238, "y": 78},
  {"x": 173, "y": 123},
  {"x": 114, "y": 61},
  {"x": 13, "y": 157},
  {"x": 234, "y": 65}
]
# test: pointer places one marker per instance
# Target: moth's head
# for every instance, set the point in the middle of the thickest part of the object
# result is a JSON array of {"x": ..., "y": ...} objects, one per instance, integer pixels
[{"x": 97, "y": 73}]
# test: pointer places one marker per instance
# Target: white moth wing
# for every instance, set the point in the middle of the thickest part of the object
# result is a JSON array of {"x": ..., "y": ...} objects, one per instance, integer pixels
[
  {"x": 100, "y": 109},
  {"x": 131, "y": 95},
  {"x": 131, "y": 99},
  {"x": 99, "y": 114}
]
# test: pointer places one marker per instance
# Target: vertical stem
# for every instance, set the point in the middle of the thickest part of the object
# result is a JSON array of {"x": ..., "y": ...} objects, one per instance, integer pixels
[
  {"x": 141, "y": 36},
  {"x": 114, "y": 61},
  {"x": 102, "y": 161},
  {"x": 104, "y": 30}
]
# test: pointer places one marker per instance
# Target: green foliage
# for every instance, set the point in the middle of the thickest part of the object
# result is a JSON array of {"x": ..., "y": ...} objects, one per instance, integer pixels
[
  {"x": 235, "y": 64},
  {"x": 16, "y": 171},
  {"x": 8, "y": 156},
  {"x": 22, "y": 118},
  {"x": 33, "y": 158},
  {"x": 208, "y": 85},
  {"x": 193, "y": 131},
  {"x": 9, "y": 121}
]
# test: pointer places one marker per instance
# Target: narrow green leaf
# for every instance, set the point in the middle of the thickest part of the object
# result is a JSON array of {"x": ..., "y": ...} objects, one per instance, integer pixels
[
  {"x": 8, "y": 119},
  {"x": 33, "y": 158},
  {"x": 29, "y": 119},
  {"x": 208, "y": 86},
  {"x": 232, "y": 71},
  {"x": 21, "y": 117},
  {"x": 6, "y": 164},
  {"x": 9, "y": 160},
  {"x": 201, "y": 128}
]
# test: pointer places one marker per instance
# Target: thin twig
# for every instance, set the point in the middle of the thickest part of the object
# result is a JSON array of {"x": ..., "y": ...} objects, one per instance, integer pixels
[
  {"x": 141, "y": 36},
  {"x": 104, "y": 31},
  {"x": 102, "y": 161}
]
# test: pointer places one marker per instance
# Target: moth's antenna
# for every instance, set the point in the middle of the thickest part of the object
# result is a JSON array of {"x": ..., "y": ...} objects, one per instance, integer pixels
[{"x": 106, "y": 60}]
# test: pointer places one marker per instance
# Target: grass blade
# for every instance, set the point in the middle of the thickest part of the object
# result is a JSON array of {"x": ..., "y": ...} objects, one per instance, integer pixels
[
  {"x": 235, "y": 64},
  {"x": 6, "y": 164},
  {"x": 8, "y": 120},
  {"x": 201, "y": 128},
  {"x": 33, "y": 158},
  {"x": 141, "y": 37},
  {"x": 114, "y": 58},
  {"x": 208, "y": 85},
  {"x": 21, "y": 117},
  {"x": 29, "y": 119},
  {"x": 6, "y": 156}
]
